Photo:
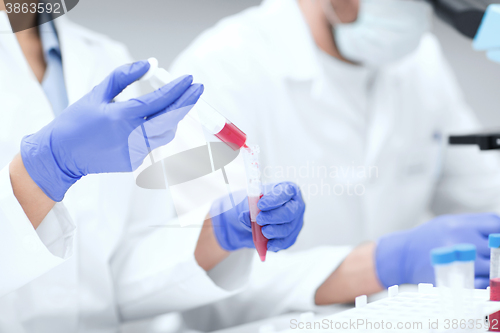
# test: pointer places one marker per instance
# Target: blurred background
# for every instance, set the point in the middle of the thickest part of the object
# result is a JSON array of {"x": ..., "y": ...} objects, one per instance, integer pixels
[{"x": 163, "y": 28}]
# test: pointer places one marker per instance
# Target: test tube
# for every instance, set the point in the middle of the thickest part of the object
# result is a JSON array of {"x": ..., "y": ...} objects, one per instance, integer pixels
[
  {"x": 466, "y": 256},
  {"x": 494, "y": 244},
  {"x": 204, "y": 113},
  {"x": 443, "y": 260},
  {"x": 254, "y": 191}
]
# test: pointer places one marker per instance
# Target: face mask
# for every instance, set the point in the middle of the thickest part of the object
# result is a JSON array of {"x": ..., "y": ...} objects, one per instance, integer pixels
[{"x": 385, "y": 31}]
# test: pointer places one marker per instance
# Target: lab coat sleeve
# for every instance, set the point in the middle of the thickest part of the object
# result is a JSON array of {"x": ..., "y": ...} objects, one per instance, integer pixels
[
  {"x": 470, "y": 178},
  {"x": 286, "y": 282},
  {"x": 154, "y": 267},
  {"x": 26, "y": 253}
]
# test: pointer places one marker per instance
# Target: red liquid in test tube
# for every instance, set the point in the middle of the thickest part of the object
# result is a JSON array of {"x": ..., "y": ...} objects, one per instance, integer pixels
[
  {"x": 494, "y": 245},
  {"x": 254, "y": 190},
  {"x": 494, "y": 319},
  {"x": 258, "y": 237},
  {"x": 232, "y": 136}
]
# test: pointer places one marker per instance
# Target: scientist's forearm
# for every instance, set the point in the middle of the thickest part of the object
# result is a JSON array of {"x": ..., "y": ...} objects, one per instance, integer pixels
[
  {"x": 208, "y": 252},
  {"x": 35, "y": 203},
  {"x": 354, "y": 277}
]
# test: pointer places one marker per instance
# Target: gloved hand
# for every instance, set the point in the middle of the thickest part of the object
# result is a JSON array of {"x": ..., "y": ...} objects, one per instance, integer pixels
[
  {"x": 404, "y": 256},
  {"x": 281, "y": 218},
  {"x": 95, "y": 135},
  {"x": 487, "y": 38}
]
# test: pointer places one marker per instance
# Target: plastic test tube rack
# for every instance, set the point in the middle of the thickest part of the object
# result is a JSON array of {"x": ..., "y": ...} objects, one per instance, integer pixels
[{"x": 408, "y": 307}]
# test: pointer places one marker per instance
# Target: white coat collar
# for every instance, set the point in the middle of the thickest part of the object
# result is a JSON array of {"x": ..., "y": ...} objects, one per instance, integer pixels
[
  {"x": 76, "y": 50},
  {"x": 290, "y": 39},
  {"x": 297, "y": 55},
  {"x": 77, "y": 56},
  {"x": 10, "y": 47},
  {"x": 4, "y": 23}
]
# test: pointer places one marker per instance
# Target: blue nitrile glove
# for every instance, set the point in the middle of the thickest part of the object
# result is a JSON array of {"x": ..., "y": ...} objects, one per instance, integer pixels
[
  {"x": 487, "y": 37},
  {"x": 404, "y": 256},
  {"x": 95, "y": 135},
  {"x": 282, "y": 217}
]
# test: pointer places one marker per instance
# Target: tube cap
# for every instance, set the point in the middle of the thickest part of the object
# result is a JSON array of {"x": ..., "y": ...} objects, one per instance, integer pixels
[
  {"x": 465, "y": 252},
  {"x": 443, "y": 255},
  {"x": 153, "y": 66},
  {"x": 494, "y": 240}
]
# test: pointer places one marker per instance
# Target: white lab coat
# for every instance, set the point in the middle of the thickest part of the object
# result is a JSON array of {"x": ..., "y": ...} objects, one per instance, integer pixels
[
  {"x": 383, "y": 132},
  {"x": 99, "y": 257},
  {"x": 380, "y": 135}
]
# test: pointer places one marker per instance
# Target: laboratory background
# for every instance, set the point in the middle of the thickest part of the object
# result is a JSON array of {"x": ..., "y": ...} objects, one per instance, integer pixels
[
  {"x": 432, "y": 214},
  {"x": 164, "y": 28}
]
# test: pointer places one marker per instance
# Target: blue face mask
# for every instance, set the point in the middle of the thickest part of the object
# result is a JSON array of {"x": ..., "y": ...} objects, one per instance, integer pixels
[{"x": 385, "y": 31}]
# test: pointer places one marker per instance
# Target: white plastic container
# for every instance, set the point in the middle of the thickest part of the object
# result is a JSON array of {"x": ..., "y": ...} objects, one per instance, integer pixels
[
  {"x": 443, "y": 259},
  {"x": 466, "y": 256}
]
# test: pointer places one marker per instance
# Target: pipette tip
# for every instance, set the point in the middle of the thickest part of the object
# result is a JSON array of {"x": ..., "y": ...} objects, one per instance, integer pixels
[{"x": 263, "y": 258}]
